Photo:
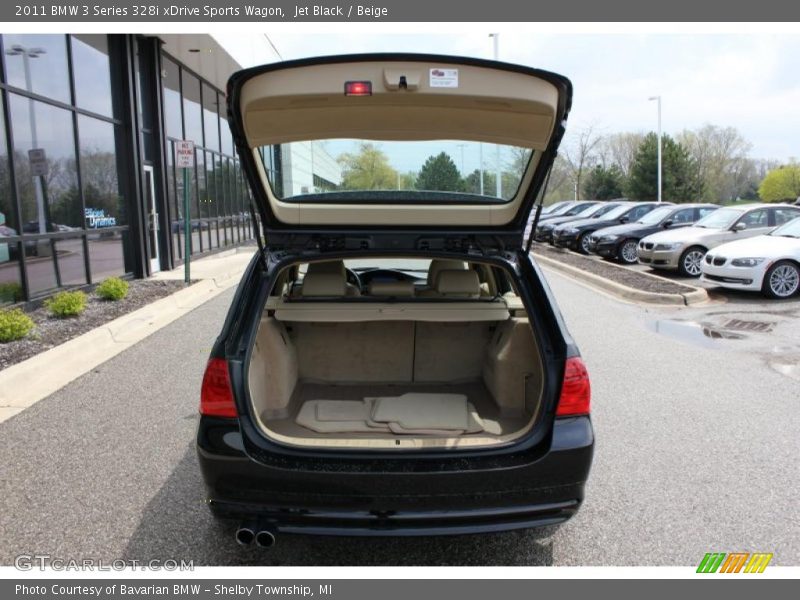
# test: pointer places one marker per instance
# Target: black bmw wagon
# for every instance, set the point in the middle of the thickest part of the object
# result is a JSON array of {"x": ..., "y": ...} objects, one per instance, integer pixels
[{"x": 393, "y": 362}]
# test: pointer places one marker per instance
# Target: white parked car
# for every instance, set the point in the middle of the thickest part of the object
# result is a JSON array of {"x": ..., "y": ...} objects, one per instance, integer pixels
[{"x": 767, "y": 263}]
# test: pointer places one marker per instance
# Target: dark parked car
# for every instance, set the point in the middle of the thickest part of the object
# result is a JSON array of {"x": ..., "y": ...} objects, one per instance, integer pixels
[
  {"x": 393, "y": 362},
  {"x": 620, "y": 242},
  {"x": 575, "y": 234},
  {"x": 544, "y": 232}
]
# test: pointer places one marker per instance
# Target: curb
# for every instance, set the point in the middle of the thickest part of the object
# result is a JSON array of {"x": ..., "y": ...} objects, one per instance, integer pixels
[
  {"x": 696, "y": 296},
  {"x": 23, "y": 385}
]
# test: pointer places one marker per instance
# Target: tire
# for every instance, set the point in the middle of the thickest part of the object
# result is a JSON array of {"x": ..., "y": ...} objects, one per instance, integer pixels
[
  {"x": 691, "y": 259},
  {"x": 782, "y": 280},
  {"x": 628, "y": 252},
  {"x": 583, "y": 241}
]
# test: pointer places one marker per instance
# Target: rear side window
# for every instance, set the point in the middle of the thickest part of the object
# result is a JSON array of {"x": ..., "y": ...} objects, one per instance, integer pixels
[
  {"x": 683, "y": 216},
  {"x": 640, "y": 211},
  {"x": 784, "y": 215}
]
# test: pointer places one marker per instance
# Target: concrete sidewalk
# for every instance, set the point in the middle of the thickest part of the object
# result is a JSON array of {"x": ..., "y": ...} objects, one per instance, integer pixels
[{"x": 25, "y": 383}]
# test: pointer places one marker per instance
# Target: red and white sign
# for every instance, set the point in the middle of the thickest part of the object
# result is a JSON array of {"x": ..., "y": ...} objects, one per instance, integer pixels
[{"x": 184, "y": 154}]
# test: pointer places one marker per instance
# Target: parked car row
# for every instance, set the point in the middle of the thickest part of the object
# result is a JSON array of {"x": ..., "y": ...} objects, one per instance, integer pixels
[{"x": 752, "y": 247}]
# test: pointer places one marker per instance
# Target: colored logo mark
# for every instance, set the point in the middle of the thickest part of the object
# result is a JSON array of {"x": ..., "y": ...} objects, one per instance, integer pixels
[{"x": 734, "y": 562}]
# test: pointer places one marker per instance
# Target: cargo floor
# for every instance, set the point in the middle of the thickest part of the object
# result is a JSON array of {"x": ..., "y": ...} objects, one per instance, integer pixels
[{"x": 475, "y": 391}]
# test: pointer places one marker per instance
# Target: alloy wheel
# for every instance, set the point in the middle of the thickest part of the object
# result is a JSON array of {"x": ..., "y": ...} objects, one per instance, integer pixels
[
  {"x": 692, "y": 262},
  {"x": 629, "y": 252},
  {"x": 585, "y": 243},
  {"x": 784, "y": 280}
]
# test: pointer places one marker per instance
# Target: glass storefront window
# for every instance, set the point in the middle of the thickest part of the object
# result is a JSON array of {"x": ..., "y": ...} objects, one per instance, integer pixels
[
  {"x": 49, "y": 197},
  {"x": 41, "y": 273},
  {"x": 92, "y": 73},
  {"x": 10, "y": 282},
  {"x": 7, "y": 210},
  {"x": 71, "y": 265},
  {"x": 210, "y": 117},
  {"x": 104, "y": 202},
  {"x": 38, "y": 63},
  {"x": 191, "y": 109},
  {"x": 225, "y": 131},
  {"x": 171, "y": 79},
  {"x": 106, "y": 256}
]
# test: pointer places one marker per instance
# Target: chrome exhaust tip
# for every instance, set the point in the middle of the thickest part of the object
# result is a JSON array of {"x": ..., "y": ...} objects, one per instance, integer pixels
[
  {"x": 265, "y": 538},
  {"x": 245, "y": 535}
]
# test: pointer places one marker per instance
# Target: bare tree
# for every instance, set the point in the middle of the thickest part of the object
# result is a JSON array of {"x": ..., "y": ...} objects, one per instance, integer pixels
[
  {"x": 620, "y": 149},
  {"x": 722, "y": 157},
  {"x": 560, "y": 185},
  {"x": 581, "y": 153}
]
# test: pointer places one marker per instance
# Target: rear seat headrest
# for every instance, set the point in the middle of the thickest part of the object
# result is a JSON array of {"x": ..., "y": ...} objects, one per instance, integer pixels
[
  {"x": 458, "y": 283},
  {"x": 391, "y": 288},
  {"x": 325, "y": 279},
  {"x": 438, "y": 265},
  {"x": 328, "y": 266},
  {"x": 324, "y": 284}
]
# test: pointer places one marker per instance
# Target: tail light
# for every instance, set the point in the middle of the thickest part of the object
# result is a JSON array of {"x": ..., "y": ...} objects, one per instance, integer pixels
[
  {"x": 216, "y": 395},
  {"x": 576, "y": 392}
]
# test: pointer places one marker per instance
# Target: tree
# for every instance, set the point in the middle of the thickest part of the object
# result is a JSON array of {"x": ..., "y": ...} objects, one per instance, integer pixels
[
  {"x": 472, "y": 183},
  {"x": 581, "y": 153},
  {"x": 367, "y": 170},
  {"x": 560, "y": 186},
  {"x": 721, "y": 156},
  {"x": 680, "y": 178},
  {"x": 620, "y": 149},
  {"x": 781, "y": 184},
  {"x": 604, "y": 183},
  {"x": 439, "y": 173}
]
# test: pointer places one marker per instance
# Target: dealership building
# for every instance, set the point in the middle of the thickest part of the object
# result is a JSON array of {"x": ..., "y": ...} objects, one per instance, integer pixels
[{"x": 88, "y": 182}]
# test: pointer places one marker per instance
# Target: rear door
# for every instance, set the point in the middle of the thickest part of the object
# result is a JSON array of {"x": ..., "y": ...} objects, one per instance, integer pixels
[{"x": 396, "y": 150}]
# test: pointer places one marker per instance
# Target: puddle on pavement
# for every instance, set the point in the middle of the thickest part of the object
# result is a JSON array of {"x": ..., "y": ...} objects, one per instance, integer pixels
[
  {"x": 786, "y": 361},
  {"x": 693, "y": 333}
]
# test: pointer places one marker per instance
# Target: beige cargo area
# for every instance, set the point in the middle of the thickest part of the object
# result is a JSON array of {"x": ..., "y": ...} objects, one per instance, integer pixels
[{"x": 493, "y": 365}]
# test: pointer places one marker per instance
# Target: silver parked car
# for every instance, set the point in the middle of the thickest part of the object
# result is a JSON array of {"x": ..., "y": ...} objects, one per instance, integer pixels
[{"x": 683, "y": 249}]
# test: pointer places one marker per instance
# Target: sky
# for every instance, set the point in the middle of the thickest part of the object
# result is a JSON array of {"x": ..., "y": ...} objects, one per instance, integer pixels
[{"x": 747, "y": 81}]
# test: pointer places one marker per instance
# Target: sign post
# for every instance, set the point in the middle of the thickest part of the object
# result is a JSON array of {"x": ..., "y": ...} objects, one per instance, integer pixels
[{"x": 184, "y": 159}]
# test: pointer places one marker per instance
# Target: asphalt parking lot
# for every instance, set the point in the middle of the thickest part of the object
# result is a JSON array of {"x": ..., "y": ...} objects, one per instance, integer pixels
[{"x": 695, "y": 410}]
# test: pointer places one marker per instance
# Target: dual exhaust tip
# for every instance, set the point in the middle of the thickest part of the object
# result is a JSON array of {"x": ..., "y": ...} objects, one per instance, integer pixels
[{"x": 248, "y": 533}]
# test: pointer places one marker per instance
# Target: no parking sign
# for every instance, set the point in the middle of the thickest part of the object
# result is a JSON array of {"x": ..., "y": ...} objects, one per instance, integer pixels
[{"x": 184, "y": 154}]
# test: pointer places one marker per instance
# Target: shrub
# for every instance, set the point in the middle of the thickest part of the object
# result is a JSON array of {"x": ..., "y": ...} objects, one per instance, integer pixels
[
  {"x": 14, "y": 325},
  {"x": 66, "y": 304},
  {"x": 10, "y": 292},
  {"x": 112, "y": 288}
]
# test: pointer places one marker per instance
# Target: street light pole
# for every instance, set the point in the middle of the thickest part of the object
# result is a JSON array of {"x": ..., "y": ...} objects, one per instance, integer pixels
[
  {"x": 499, "y": 187},
  {"x": 27, "y": 54},
  {"x": 658, "y": 100}
]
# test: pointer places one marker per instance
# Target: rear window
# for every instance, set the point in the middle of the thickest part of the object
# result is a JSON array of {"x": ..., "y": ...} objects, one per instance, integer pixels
[{"x": 353, "y": 171}]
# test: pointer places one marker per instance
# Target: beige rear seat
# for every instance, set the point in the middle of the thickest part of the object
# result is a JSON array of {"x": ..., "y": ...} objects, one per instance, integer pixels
[
  {"x": 327, "y": 278},
  {"x": 458, "y": 284}
]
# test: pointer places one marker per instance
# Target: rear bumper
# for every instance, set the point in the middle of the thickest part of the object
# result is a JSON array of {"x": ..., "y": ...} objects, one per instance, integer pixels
[{"x": 421, "y": 498}]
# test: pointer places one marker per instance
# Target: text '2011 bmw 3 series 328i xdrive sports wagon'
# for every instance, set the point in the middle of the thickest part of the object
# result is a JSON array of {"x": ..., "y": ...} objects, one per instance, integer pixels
[{"x": 393, "y": 362}]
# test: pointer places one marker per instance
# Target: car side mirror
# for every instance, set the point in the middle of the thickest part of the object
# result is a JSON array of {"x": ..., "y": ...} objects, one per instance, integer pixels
[
  {"x": 740, "y": 227},
  {"x": 667, "y": 224}
]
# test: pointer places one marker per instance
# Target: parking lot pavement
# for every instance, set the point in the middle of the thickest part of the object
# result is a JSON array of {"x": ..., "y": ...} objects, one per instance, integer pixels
[{"x": 696, "y": 452}]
